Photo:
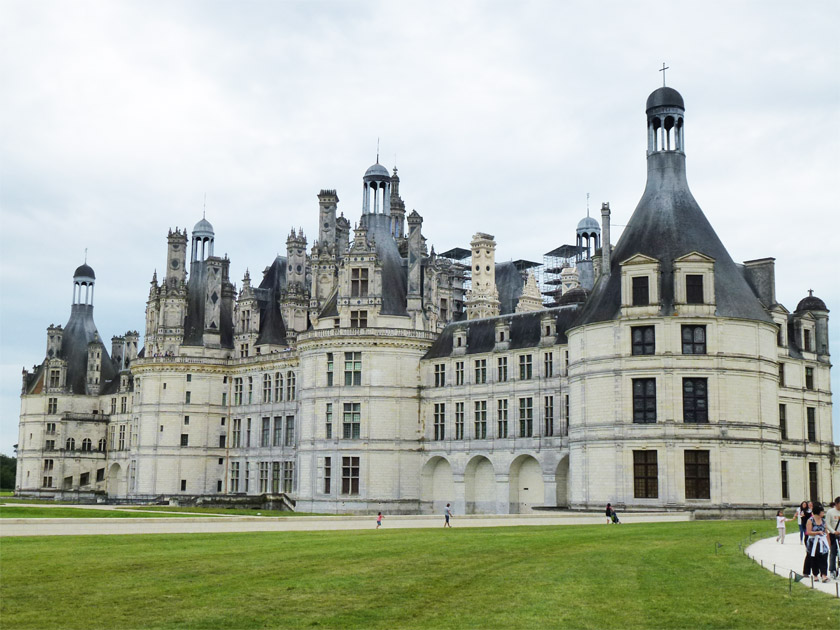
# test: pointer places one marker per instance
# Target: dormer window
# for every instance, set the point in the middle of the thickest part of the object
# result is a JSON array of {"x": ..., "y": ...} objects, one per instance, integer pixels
[
  {"x": 358, "y": 282},
  {"x": 806, "y": 340},
  {"x": 694, "y": 289},
  {"x": 641, "y": 291}
]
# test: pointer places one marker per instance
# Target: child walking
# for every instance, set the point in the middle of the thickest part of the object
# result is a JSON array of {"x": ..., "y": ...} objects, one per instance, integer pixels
[
  {"x": 379, "y": 520},
  {"x": 780, "y": 526},
  {"x": 447, "y": 514}
]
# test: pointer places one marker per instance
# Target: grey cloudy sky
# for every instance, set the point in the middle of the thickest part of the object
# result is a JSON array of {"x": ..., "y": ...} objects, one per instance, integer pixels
[{"x": 117, "y": 117}]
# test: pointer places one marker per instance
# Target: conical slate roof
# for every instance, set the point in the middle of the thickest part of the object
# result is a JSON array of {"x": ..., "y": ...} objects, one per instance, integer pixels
[{"x": 668, "y": 224}]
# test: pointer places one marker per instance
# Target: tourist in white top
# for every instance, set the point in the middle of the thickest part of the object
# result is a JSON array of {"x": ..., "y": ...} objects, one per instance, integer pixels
[{"x": 780, "y": 526}]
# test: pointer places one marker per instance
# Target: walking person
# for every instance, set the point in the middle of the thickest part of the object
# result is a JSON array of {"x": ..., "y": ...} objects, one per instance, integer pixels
[
  {"x": 816, "y": 545},
  {"x": 801, "y": 517},
  {"x": 447, "y": 513},
  {"x": 609, "y": 513},
  {"x": 832, "y": 525},
  {"x": 379, "y": 520},
  {"x": 780, "y": 526}
]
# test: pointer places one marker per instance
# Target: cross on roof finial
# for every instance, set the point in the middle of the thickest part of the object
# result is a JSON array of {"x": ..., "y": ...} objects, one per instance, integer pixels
[
  {"x": 377, "y": 150},
  {"x": 664, "y": 68},
  {"x": 810, "y": 291},
  {"x": 85, "y": 255},
  {"x": 587, "y": 204}
]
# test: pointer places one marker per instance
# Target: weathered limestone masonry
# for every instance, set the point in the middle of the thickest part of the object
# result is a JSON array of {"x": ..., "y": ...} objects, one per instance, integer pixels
[{"x": 369, "y": 373}]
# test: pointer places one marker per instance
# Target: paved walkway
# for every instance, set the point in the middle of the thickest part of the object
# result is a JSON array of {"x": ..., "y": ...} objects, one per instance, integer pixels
[
  {"x": 207, "y": 525},
  {"x": 782, "y": 559}
]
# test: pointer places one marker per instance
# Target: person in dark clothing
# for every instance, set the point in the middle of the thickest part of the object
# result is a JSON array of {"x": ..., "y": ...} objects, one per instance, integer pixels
[
  {"x": 816, "y": 545},
  {"x": 612, "y": 517}
]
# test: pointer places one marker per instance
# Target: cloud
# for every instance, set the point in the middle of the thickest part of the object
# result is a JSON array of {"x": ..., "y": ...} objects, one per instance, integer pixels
[{"x": 118, "y": 117}]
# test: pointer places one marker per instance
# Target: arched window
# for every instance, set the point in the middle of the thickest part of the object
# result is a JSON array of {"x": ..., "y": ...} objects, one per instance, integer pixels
[
  {"x": 87, "y": 445},
  {"x": 102, "y": 445},
  {"x": 70, "y": 445}
]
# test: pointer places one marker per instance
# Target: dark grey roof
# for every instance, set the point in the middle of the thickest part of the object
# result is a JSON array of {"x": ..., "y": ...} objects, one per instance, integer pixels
[
  {"x": 84, "y": 271},
  {"x": 194, "y": 319},
  {"x": 667, "y": 224},
  {"x": 79, "y": 332},
  {"x": 393, "y": 268},
  {"x": 578, "y": 295},
  {"x": 331, "y": 307},
  {"x": 272, "y": 326},
  {"x": 524, "y": 265},
  {"x": 509, "y": 284},
  {"x": 664, "y": 97},
  {"x": 456, "y": 253},
  {"x": 811, "y": 303},
  {"x": 524, "y": 331}
]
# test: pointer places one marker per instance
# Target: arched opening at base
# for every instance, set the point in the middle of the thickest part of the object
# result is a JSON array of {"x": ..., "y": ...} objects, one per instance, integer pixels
[
  {"x": 527, "y": 488},
  {"x": 437, "y": 486},
  {"x": 480, "y": 486},
  {"x": 561, "y": 478}
]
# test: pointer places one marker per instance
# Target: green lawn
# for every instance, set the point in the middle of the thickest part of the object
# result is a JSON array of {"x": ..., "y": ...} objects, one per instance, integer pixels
[
  {"x": 663, "y": 575},
  {"x": 30, "y": 511},
  {"x": 228, "y": 511}
]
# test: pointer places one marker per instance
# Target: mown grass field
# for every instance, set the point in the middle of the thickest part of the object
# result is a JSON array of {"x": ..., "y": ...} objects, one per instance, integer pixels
[
  {"x": 633, "y": 576},
  {"x": 227, "y": 511},
  {"x": 34, "y": 511}
]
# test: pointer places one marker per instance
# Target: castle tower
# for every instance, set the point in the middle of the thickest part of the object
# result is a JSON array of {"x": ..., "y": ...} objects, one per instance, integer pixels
[
  {"x": 397, "y": 207},
  {"x": 416, "y": 250},
  {"x": 376, "y": 190},
  {"x": 483, "y": 298},
  {"x": 296, "y": 261},
  {"x": 342, "y": 236},
  {"x": 327, "y": 206},
  {"x": 54, "y": 337},
  {"x": 176, "y": 258},
  {"x": 246, "y": 319}
]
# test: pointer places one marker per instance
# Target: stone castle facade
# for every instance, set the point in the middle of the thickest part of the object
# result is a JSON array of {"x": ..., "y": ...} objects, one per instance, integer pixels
[{"x": 369, "y": 373}]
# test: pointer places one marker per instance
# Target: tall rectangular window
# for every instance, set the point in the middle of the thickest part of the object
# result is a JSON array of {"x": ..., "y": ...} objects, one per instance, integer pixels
[
  {"x": 350, "y": 475},
  {"x": 641, "y": 291},
  {"x": 644, "y": 400},
  {"x": 290, "y": 431},
  {"x": 290, "y": 386},
  {"x": 330, "y": 368},
  {"x": 275, "y": 477},
  {"x": 277, "y": 439},
  {"x": 327, "y": 475},
  {"x": 237, "y": 432},
  {"x": 644, "y": 340},
  {"x": 185, "y": 439},
  {"x": 278, "y": 387},
  {"x": 809, "y": 378},
  {"x": 224, "y": 399},
  {"x": 328, "y": 421},
  {"x": 548, "y": 415},
  {"x": 352, "y": 421},
  {"x": 113, "y": 406},
  {"x": 265, "y": 434},
  {"x": 695, "y": 400},
  {"x": 693, "y": 339},
  {"x": 352, "y": 368},
  {"x": 813, "y": 482},
  {"x": 548, "y": 364},
  {"x": 440, "y": 421},
  {"x": 266, "y": 388},
  {"x": 459, "y": 372},
  {"x": 358, "y": 319},
  {"x": 264, "y": 468},
  {"x": 250, "y": 390},
  {"x": 480, "y": 419},
  {"x": 122, "y": 438},
  {"x": 247, "y": 476},
  {"x": 525, "y": 367},
  {"x": 50, "y": 428},
  {"x": 234, "y": 476},
  {"x": 501, "y": 369},
  {"x": 783, "y": 421},
  {"x": 811, "y": 414},
  {"x": 806, "y": 345},
  {"x": 358, "y": 282},
  {"x": 459, "y": 421},
  {"x": 52, "y": 405},
  {"x": 526, "y": 417},
  {"x": 781, "y": 374},
  {"x": 480, "y": 371},
  {"x": 440, "y": 374},
  {"x": 785, "y": 487},
  {"x": 697, "y": 475},
  {"x": 187, "y": 396},
  {"x": 288, "y": 477},
  {"x": 55, "y": 378},
  {"x": 248, "y": 432},
  {"x": 645, "y": 475},
  {"x": 694, "y": 289},
  {"x": 237, "y": 391},
  {"x": 502, "y": 418},
  {"x": 124, "y": 403}
]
